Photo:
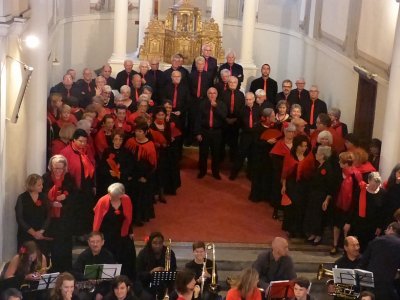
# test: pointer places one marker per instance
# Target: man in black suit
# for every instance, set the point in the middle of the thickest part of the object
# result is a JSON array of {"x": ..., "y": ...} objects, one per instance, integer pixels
[
  {"x": 125, "y": 76},
  {"x": 382, "y": 257},
  {"x": 208, "y": 131},
  {"x": 87, "y": 88},
  {"x": 265, "y": 83},
  {"x": 234, "y": 68},
  {"x": 222, "y": 84},
  {"x": 286, "y": 93},
  {"x": 300, "y": 92},
  {"x": 176, "y": 65},
  {"x": 67, "y": 87},
  {"x": 312, "y": 107},
  {"x": 210, "y": 65},
  {"x": 106, "y": 71}
]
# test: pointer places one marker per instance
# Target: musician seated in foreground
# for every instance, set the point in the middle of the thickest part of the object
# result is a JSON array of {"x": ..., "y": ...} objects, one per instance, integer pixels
[
  {"x": 275, "y": 264},
  {"x": 154, "y": 258},
  {"x": 365, "y": 295},
  {"x": 64, "y": 288},
  {"x": 95, "y": 254},
  {"x": 197, "y": 266},
  {"x": 301, "y": 289},
  {"x": 11, "y": 294},
  {"x": 351, "y": 257},
  {"x": 185, "y": 286},
  {"x": 246, "y": 287},
  {"x": 121, "y": 289}
]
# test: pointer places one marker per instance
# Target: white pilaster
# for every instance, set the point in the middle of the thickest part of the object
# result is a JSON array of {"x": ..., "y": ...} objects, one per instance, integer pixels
[
  {"x": 120, "y": 31},
  {"x": 390, "y": 154},
  {"x": 36, "y": 97},
  {"x": 145, "y": 14},
  {"x": 218, "y": 13}
]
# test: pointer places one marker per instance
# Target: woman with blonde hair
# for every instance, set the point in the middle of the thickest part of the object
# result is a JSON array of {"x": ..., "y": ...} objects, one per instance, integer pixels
[{"x": 246, "y": 287}]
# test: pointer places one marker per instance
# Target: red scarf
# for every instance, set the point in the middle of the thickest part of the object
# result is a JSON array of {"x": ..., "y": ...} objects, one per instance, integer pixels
[
  {"x": 113, "y": 165},
  {"x": 88, "y": 168},
  {"x": 53, "y": 193},
  {"x": 345, "y": 198}
]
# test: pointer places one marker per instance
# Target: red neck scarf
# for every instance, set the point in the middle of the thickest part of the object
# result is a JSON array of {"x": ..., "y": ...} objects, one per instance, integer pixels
[
  {"x": 345, "y": 200},
  {"x": 88, "y": 168}
]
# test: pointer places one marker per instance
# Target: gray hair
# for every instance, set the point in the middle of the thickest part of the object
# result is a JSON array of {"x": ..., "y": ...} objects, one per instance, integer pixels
[
  {"x": 125, "y": 88},
  {"x": 58, "y": 158},
  {"x": 225, "y": 72},
  {"x": 144, "y": 63},
  {"x": 107, "y": 88},
  {"x": 143, "y": 97},
  {"x": 325, "y": 151},
  {"x": 335, "y": 112},
  {"x": 325, "y": 134},
  {"x": 200, "y": 59},
  {"x": 233, "y": 79},
  {"x": 229, "y": 52},
  {"x": 290, "y": 127},
  {"x": 83, "y": 124},
  {"x": 375, "y": 176},
  {"x": 260, "y": 93},
  {"x": 116, "y": 189},
  {"x": 250, "y": 94},
  {"x": 267, "y": 112},
  {"x": 100, "y": 78},
  {"x": 295, "y": 105}
]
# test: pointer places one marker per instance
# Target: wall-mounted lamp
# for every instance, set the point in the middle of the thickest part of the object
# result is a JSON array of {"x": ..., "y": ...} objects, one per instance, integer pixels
[
  {"x": 363, "y": 71},
  {"x": 26, "y": 76}
]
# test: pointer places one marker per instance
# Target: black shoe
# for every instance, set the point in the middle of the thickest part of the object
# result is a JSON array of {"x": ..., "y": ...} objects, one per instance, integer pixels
[
  {"x": 201, "y": 175},
  {"x": 217, "y": 176}
]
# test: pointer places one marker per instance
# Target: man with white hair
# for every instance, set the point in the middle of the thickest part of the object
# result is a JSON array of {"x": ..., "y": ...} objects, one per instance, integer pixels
[
  {"x": 124, "y": 77},
  {"x": 106, "y": 71},
  {"x": 234, "y": 68},
  {"x": 210, "y": 65},
  {"x": 312, "y": 107},
  {"x": 275, "y": 264}
]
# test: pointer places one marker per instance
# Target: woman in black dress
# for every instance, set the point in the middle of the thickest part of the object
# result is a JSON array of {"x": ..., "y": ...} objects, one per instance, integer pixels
[
  {"x": 113, "y": 217},
  {"x": 59, "y": 187},
  {"x": 32, "y": 212}
]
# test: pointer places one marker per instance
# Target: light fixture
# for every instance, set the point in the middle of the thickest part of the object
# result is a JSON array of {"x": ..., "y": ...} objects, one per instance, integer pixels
[{"x": 31, "y": 41}]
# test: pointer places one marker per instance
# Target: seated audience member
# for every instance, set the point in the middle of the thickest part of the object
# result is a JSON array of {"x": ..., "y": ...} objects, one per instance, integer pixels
[
  {"x": 282, "y": 112},
  {"x": 261, "y": 100},
  {"x": 234, "y": 68},
  {"x": 275, "y": 263},
  {"x": 375, "y": 152},
  {"x": 121, "y": 289},
  {"x": 368, "y": 217},
  {"x": 64, "y": 288},
  {"x": 197, "y": 266},
  {"x": 246, "y": 287},
  {"x": 32, "y": 213},
  {"x": 81, "y": 166},
  {"x": 265, "y": 83},
  {"x": 286, "y": 94},
  {"x": 301, "y": 289},
  {"x": 144, "y": 166},
  {"x": 60, "y": 189},
  {"x": 312, "y": 107},
  {"x": 340, "y": 128},
  {"x": 295, "y": 111},
  {"x": 113, "y": 217},
  {"x": 348, "y": 194},
  {"x": 106, "y": 71},
  {"x": 298, "y": 167},
  {"x": 152, "y": 258},
  {"x": 186, "y": 287},
  {"x": 382, "y": 258},
  {"x": 11, "y": 294},
  {"x": 65, "y": 136},
  {"x": 351, "y": 256},
  {"x": 93, "y": 255},
  {"x": 27, "y": 265},
  {"x": 321, "y": 191},
  {"x": 115, "y": 165},
  {"x": 366, "y": 295},
  {"x": 392, "y": 196}
]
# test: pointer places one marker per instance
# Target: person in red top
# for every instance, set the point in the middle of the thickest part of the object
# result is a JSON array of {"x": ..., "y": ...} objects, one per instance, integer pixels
[
  {"x": 340, "y": 128},
  {"x": 113, "y": 218},
  {"x": 104, "y": 136},
  {"x": 121, "y": 119},
  {"x": 297, "y": 169},
  {"x": 81, "y": 166},
  {"x": 144, "y": 165},
  {"x": 246, "y": 288},
  {"x": 65, "y": 134}
]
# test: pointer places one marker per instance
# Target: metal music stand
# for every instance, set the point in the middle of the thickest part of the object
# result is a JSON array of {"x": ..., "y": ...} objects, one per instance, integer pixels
[
  {"x": 280, "y": 290},
  {"x": 103, "y": 271},
  {"x": 158, "y": 278},
  {"x": 47, "y": 281}
]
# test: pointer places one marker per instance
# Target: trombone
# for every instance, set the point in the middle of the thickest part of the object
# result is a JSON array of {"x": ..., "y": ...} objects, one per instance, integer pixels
[
  {"x": 213, "y": 288},
  {"x": 167, "y": 265}
]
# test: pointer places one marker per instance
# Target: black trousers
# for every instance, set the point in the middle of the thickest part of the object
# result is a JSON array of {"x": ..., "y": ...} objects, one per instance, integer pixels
[
  {"x": 246, "y": 143},
  {"x": 211, "y": 142},
  {"x": 231, "y": 138}
]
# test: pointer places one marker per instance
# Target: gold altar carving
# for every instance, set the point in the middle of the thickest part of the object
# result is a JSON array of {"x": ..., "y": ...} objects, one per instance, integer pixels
[{"x": 182, "y": 32}]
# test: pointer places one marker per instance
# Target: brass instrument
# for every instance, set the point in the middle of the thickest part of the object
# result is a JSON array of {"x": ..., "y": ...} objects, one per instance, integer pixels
[
  {"x": 214, "y": 287},
  {"x": 341, "y": 291},
  {"x": 167, "y": 266},
  {"x": 39, "y": 272}
]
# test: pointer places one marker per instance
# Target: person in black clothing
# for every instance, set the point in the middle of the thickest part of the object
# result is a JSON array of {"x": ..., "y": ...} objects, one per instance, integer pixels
[
  {"x": 248, "y": 120},
  {"x": 60, "y": 189},
  {"x": 121, "y": 289},
  {"x": 286, "y": 93},
  {"x": 300, "y": 92},
  {"x": 265, "y": 83},
  {"x": 222, "y": 84},
  {"x": 157, "y": 78},
  {"x": 208, "y": 132},
  {"x": 234, "y": 68},
  {"x": 124, "y": 77},
  {"x": 211, "y": 65},
  {"x": 87, "y": 88},
  {"x": 67, "y": 88},
  {"x": 392, "y": 197},
  {"x": 32, "y": 213},
  {"x": 176, "y": 66},
  {"x": 152, "y": 258},
  {"x": 351, "y": 257},
  {"x": 106, "y": 71},
  {"x": 382, "y": 257},
  {"x": 312, "y": 107}
]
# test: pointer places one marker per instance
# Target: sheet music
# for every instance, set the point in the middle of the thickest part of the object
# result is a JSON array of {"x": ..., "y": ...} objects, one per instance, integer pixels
[
  {"x": 47, "y": 281},
  {"x": 111, "y": 271},
  {"x": 366, "y": 278},
  {"x": 344, "y": 276}
]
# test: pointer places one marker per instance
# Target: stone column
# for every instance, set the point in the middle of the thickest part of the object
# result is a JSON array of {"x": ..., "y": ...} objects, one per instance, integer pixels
[
  {"x": 145, "y": 15},
  {"x": 120, "y": 31},
  {"x": 390, "y": 154},
  {"x": 218, "y": 13},
  {"x": 36, "y": 97},
  {"x": 248, "y": 25}
]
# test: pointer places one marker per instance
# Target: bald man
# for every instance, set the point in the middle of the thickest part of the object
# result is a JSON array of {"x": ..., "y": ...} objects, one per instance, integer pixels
[
  {"x": 351, "y": 256},
  {"x": 275, "y": 263}
]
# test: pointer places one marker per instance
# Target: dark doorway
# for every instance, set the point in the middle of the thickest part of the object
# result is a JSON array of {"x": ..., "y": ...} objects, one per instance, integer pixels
[{"x": 365, "y": 109}]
